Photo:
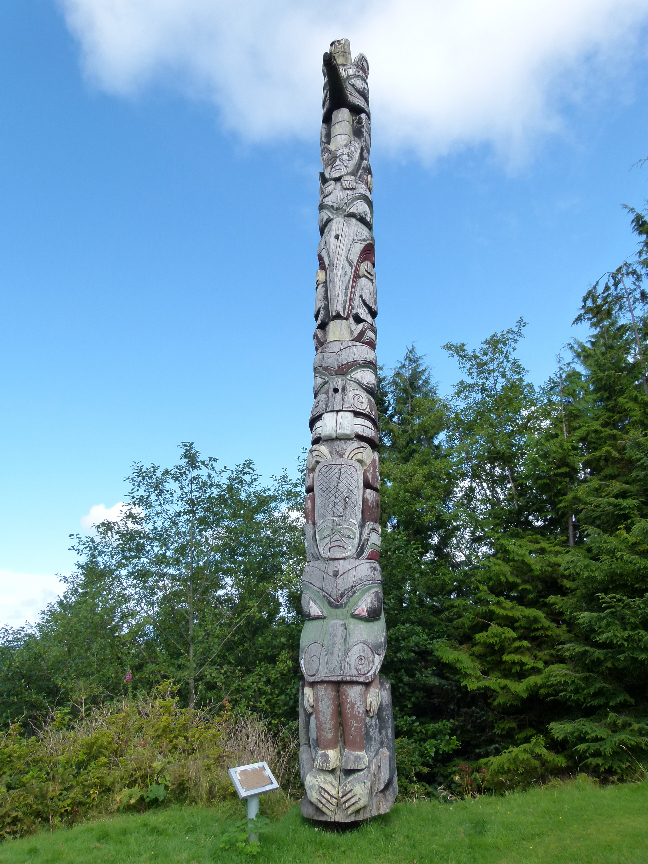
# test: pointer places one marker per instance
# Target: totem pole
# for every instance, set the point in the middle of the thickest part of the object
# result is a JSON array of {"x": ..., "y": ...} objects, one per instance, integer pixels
[{"x": 347, "y": 758}]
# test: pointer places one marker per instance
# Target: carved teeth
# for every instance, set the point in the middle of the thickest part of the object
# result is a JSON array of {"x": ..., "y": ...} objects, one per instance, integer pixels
[
  {"x": 337, "y": 424},
  {"x": 338, "y": 330}
]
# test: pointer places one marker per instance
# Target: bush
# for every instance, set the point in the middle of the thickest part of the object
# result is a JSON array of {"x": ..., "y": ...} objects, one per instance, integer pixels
[
  {"x": 133, "y": 754},
  {"x": 247, "y": 739},
  {"x": 520, "y": 767},
  {"x": 608, "y": 746}
]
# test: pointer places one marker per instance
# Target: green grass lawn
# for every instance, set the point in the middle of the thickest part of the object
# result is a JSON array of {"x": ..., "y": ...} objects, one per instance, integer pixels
[{"x": 572, "y": 823}]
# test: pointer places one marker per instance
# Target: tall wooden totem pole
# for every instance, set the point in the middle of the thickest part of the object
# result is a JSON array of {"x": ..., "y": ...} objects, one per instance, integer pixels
[{"x": 347, "y": 758}]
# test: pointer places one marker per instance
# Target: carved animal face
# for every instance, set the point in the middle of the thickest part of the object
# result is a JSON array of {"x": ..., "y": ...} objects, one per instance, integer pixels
[
  {"x": 338, "y": 163},
  {"x": 337, "y": 538},
  {"x": 338, "y": 507},
  {"x": 356, "y": 84}
]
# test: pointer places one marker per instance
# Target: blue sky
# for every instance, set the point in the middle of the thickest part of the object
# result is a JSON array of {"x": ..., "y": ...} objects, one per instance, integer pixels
[{"x": 158, "y": 220}]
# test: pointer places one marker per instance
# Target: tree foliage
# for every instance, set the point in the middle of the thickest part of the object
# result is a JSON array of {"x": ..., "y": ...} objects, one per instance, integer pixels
[
  {"x": 514, "y": 556},
  {"x": 521, "y": 593},
  {"x": 195, "y": 582}
]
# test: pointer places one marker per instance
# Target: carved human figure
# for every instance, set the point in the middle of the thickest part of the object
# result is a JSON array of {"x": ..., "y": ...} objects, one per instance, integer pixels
[{"x": 346, "y": 727}]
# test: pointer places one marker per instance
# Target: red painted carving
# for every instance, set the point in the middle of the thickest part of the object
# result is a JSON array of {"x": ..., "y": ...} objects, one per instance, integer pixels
[
  {"x": 370, "y": 506},
  {"x": 371, "y": 476},
  {"x": 368, "y": 253}
]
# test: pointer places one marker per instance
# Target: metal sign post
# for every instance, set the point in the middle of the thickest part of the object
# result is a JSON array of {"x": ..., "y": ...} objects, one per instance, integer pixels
[{"x": 250, "y": 781}]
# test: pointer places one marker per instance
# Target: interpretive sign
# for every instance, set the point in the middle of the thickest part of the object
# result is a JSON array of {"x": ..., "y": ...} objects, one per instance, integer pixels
[{"x": 252, "y": 779}]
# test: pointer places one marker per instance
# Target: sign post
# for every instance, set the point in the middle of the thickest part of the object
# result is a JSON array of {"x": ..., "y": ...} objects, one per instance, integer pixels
[{"x": 250, "y": 781}]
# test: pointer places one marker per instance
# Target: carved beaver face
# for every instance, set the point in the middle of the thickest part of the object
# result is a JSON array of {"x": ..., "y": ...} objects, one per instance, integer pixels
[{"x": 338, "y": 507}]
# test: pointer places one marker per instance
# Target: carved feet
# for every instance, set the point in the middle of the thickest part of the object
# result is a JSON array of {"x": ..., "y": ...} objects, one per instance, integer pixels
[
  {"x": 354, "y": 760},
  {"x": 328, "y": 760}
]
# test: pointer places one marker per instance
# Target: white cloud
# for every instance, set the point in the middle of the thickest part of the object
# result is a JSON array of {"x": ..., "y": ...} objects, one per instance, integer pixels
[
  {"x": 444, "y": 73},
  {"x": 24, "y": 595},
  {"x": 100, "y": 513}
]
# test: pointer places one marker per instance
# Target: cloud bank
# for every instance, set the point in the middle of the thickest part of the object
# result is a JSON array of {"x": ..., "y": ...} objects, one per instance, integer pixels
[
  {"x": 445, "y": 74},
  {"x": 100, "y": 513}
]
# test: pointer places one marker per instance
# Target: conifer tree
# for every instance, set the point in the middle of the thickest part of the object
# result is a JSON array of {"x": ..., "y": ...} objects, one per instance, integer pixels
[
  {"x": 419, "y": 573},
  {"x": 604, "y": 680},
  {"x": 506, "y": 634}
]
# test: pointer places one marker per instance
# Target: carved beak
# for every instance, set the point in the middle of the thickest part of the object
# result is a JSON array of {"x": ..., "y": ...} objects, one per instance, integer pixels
[{"x": 337, "y": 91}]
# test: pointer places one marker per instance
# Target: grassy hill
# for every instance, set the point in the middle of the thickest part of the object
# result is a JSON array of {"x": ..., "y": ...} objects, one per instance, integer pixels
[{"x": 571, "y": 823}]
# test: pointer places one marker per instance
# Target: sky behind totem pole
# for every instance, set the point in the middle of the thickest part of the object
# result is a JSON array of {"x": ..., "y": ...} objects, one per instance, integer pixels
[{"x": 158, "y": 220}]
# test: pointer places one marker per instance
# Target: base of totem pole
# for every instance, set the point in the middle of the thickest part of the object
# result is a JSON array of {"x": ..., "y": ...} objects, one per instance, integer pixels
[{"x": 379, "y": 746}]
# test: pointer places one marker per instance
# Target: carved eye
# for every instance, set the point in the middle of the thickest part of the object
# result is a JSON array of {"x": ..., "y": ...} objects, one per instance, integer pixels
[
  {"x": 365, "y": 378},
  {"x": 370, "y": 606},
  {"x": 310, "y": 607},
  {"x": 318, "y": 453},
  {"x": 360, "y": 452}
]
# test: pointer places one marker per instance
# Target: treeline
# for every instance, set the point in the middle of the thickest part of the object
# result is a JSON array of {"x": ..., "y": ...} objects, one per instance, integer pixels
[
  {"x": 196, "y": 583},
  {"x": 516, "y": 553},
  {"x": 515, "y": 563}
]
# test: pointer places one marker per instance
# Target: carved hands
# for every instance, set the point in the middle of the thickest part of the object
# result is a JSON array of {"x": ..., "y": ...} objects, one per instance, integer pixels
[
  {"x": 309, "y": 699},
  {"x": 373, "y": 697},
  {"x": 322, "y": 790},
  {"x": 354, "y": 794}
]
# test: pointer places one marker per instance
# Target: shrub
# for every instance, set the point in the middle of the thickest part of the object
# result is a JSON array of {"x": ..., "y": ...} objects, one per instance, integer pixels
[
  {"x": 520, "y": 767},
  {"x": 248, "y": 739},
  {"x": 133, "y": 754},
  {"x": 608, "y": 746}
]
